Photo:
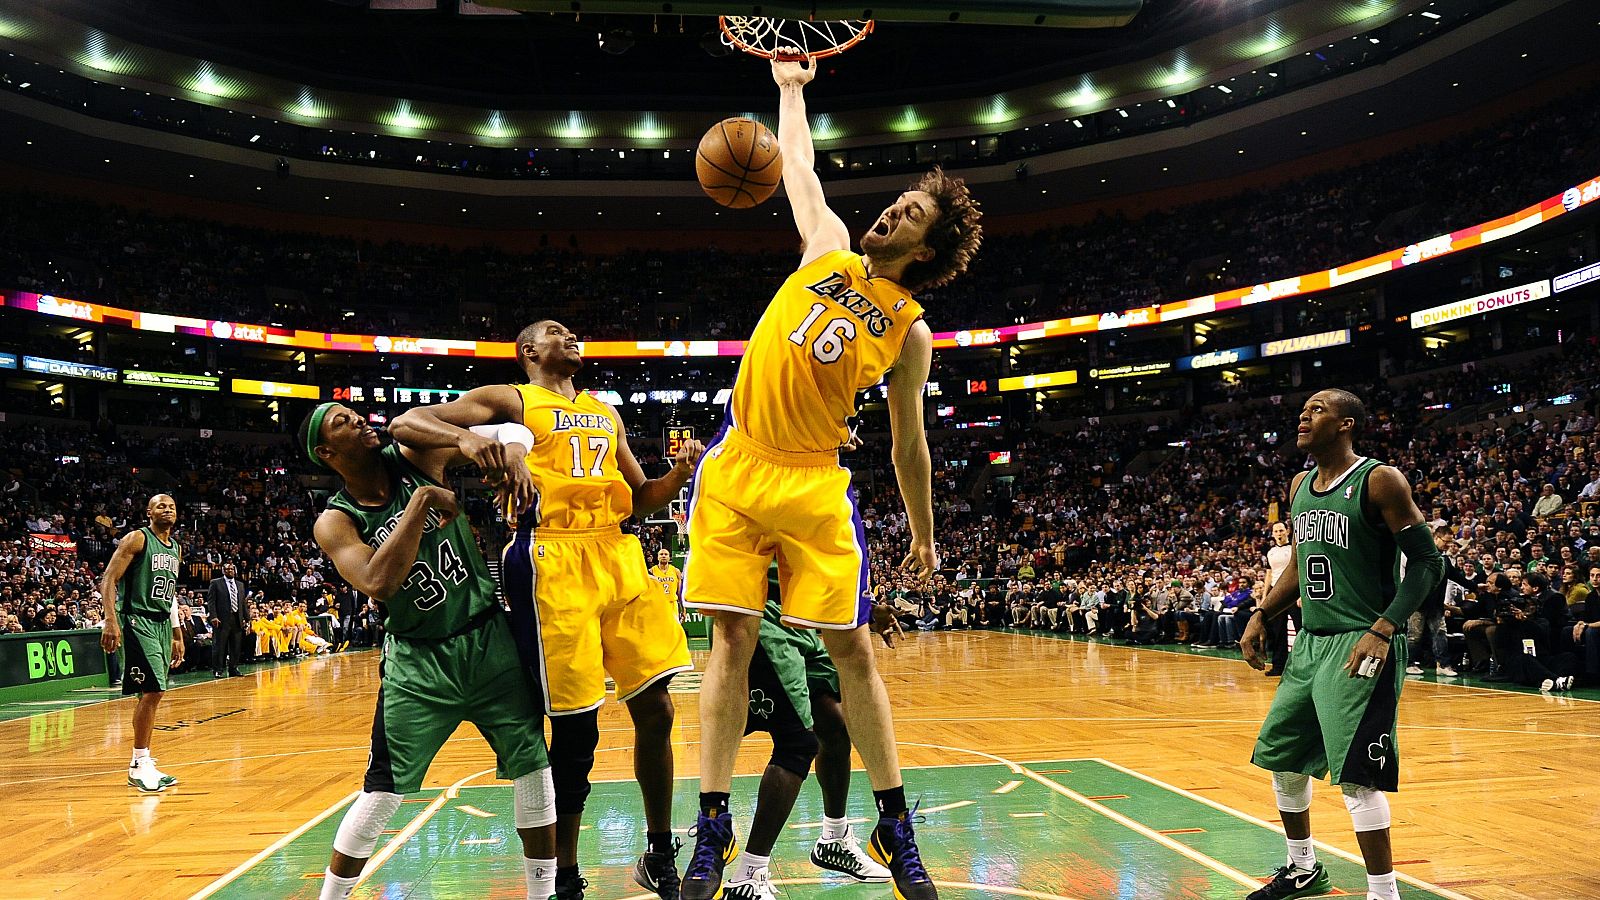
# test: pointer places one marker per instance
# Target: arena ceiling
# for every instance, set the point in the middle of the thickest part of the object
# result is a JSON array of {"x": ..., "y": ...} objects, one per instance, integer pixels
[
  {"x": 1535, "y": 47},
  {"x": 516, "y": 79}
]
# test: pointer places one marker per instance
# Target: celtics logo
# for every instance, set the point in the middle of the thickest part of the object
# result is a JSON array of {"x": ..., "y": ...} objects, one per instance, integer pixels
[
  {"x": 760, "y": 704},
  {"x": 1378, "y": 750}
]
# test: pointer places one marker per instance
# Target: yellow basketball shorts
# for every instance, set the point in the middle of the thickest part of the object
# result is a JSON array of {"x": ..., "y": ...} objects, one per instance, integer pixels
[
  {"x": 582, "y": 606},
  {"x": 751, "y": 504}
]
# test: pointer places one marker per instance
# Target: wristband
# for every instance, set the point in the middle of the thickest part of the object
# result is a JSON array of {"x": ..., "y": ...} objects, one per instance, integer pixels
[{"x": 1386, "y": 638}]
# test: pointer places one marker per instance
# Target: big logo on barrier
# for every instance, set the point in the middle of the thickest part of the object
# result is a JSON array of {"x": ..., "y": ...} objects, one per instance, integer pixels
[{"x": 48, "y": 659}]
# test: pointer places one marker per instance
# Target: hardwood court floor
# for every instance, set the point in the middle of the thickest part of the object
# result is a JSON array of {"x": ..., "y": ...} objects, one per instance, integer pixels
[{"x": 1498, "y": 797}]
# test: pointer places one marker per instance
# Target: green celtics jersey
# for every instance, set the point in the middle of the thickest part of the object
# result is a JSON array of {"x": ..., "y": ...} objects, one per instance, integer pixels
[
  {"x": 1348, "y": 565},
  {"x": 151, "y": 581},
  {"x": 449, "y": 583}
]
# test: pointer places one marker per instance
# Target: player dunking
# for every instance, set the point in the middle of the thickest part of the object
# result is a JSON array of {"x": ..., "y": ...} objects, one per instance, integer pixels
[
  {"x": 140, "y": 585},
  {"x": 394, "y": 531},
  {"x": 582, "y": 602},
  {"x": 772, "y": 486},
  {"x": 1363, "y": 561}
]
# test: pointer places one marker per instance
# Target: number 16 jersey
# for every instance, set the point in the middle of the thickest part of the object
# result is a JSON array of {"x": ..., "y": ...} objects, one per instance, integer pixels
[
  {"x": 449, "y": 583},
  {"x": 830, "y": 331}
]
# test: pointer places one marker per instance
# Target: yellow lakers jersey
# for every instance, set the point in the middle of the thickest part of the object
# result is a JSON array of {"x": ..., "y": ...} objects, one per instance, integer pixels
[
  {"x": 830, "y": 332},
  {"x": 574, "y": 461},
  {"x": 668, "y": 577}
]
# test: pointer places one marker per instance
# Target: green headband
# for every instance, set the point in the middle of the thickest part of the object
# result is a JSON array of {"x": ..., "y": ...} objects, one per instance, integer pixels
[{"x": 315, "y": 429}]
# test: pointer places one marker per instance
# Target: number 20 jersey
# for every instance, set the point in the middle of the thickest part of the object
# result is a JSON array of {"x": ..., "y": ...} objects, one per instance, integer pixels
[
  {"x": 449, "y": 582},
  {"x": 574, "y": 462},
  {"x": 830, "y": 332}
]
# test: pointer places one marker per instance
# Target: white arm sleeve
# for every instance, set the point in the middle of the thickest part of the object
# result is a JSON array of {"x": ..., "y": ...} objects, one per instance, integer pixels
[
  {"x": 507, "y": 433},
  {"x": 176, "y": 621}
]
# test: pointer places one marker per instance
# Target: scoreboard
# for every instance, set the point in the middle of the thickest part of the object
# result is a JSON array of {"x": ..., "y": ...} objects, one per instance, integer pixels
[{"x": 673, "y": 439}]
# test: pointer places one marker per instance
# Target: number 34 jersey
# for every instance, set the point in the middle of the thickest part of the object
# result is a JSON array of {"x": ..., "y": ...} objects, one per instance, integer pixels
[
  {"x": 830, "y": 331},
  {"x": 574, "y": 462},
  {"x": 449, "y": 582}
]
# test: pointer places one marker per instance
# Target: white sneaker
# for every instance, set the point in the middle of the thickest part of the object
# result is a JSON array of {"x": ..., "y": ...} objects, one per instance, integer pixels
[
  {"x": 1446, "y": 671},
  {"x": 1547, "y": 685},
  {"x": 146, "y": 777},
  {"x": 1413, "y": 669},
  {"x": 1565, "y": 683},
  {"x": 846, "y": 856},
  {"x": 759, "y": 887}
]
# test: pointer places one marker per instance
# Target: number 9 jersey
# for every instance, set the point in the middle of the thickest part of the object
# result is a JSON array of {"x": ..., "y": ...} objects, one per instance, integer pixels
[{"x": 830, "y": 332}]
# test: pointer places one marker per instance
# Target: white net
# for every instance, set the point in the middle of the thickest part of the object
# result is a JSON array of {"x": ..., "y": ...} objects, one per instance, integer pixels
[{"x": 792, "y": 39}]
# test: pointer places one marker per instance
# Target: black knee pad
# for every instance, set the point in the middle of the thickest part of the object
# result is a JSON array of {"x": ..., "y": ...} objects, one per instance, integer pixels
[
  {"x": 793, "y": 751},
  {"x": 573, "y": 740}
]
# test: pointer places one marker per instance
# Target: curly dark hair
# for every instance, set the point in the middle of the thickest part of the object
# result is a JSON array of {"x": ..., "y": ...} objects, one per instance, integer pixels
[{"x": 954, "y": 236}]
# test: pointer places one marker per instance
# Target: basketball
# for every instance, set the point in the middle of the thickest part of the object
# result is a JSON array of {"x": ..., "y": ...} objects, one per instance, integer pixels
[{"x": 738, "y": 163}]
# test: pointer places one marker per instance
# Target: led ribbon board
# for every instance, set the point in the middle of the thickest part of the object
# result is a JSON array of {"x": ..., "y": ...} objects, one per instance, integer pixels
[{"x": 1506, "y": 226}]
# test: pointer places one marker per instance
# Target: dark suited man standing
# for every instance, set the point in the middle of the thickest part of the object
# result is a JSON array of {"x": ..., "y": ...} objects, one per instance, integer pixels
[{"x": 226, "y": 601}]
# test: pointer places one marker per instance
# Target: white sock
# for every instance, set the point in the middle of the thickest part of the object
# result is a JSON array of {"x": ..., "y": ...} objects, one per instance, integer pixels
[
  {"x": 834, "y": 829},
  {"x": 1383, "y": 886},
  {"x": 541, "y": 877},
  {"x": 140, "y": 755},
  {"x": 1302, "y": 855},
  {"x": 335, "y": 887},
  {"x": 749, "y": 864}
]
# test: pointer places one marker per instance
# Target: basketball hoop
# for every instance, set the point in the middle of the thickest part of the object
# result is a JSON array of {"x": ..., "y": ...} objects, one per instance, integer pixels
[
  {"x": 678, "y": 509},
  {"x": 771, "y": 38}
]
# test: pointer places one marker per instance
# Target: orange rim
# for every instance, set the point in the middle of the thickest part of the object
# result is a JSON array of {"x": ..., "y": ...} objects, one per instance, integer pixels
[{"x": 734, "y": 40}]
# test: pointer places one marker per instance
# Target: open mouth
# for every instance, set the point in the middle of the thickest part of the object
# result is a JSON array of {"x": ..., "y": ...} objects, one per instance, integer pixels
[{"x": 881, "y": 229}]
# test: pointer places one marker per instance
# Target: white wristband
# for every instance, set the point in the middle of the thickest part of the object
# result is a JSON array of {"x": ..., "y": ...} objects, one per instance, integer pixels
[{"x": 506, "y": 433}]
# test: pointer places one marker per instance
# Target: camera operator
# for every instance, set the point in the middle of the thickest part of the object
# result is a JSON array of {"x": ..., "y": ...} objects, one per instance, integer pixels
[
  {"x": 1481, "y": 615},
  {"x": 1522, "y": 639}
]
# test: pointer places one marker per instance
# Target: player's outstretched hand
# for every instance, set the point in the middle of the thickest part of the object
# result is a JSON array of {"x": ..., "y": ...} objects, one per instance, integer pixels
[
  {"x": 177, "y": 653},
  {"x": 922, "y": 561},
  {"x": 886, "y": 624},
  {"x": 1253, "y": 643},
  {"x": 689, "y": 453},
  {"x": 443, "y": 500},
  {"x": 796, "y": 73}
]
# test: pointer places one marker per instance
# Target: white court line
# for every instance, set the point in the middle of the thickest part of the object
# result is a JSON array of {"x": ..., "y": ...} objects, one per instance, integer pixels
[
  {"x": 1141, "y": 829},
  {"x": 1007, "y": 788},
  {"x": 965, "y": 885},
  {"x": 414, "y": 826},
  {"x": 947, "y": 807},
  {"x": 474, "y": 811},
  {"x": 276, "y": 845},
  {"x": 1414, "y": 882}
]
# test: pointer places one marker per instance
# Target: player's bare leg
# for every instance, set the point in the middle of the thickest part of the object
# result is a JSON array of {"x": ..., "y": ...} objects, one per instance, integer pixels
[
  {"x": 144, "y": 719},
  {"x": 837, "y": 849},
  {"x": 866, "y": 705},
  {"x": 652, "y": 712},
  {"x": 724, "y": 706},
  {"x": 871, "y": 724}
]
